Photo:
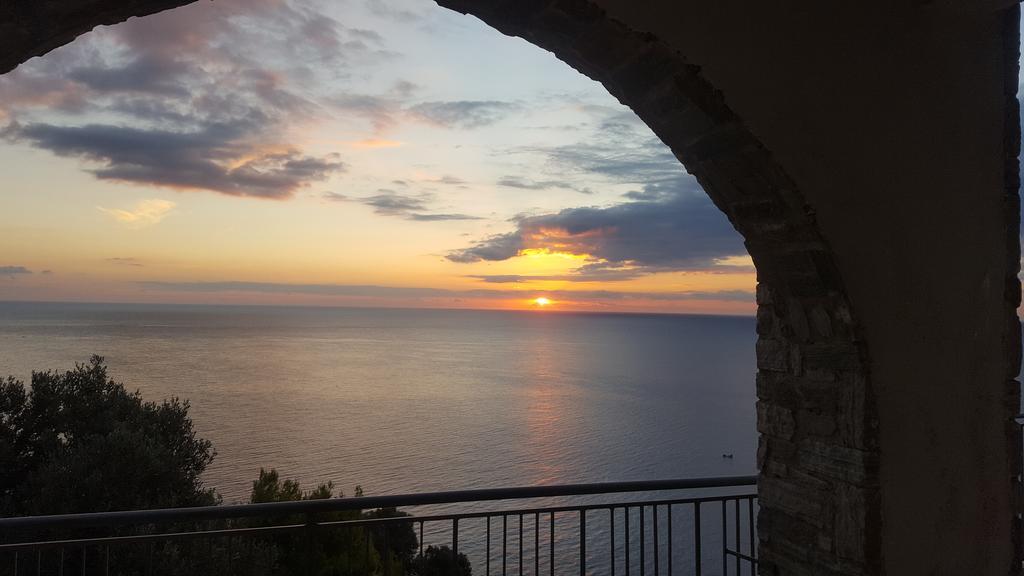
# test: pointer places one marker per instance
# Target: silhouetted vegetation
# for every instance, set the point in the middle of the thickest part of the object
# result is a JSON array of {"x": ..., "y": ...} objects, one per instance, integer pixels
[
  {"x": 79, "y": 442},
  {"x": 122, "y": 453},
  {"x": 335, "y": 550},
  {"x": 441, "y": 561}
]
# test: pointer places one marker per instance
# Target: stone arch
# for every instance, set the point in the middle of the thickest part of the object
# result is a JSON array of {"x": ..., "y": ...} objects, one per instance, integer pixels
[{"x": 818, "y": 410}]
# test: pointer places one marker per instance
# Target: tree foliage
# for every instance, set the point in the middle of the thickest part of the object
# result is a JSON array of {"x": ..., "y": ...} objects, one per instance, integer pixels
[
  {"x": 79, "y": 442},
  {"x": 327, "y": 551},
  {"x": 441, "y": 561}
]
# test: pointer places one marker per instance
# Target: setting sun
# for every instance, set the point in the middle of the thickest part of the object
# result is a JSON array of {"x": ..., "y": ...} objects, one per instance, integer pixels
[{"x": 542, "y": 301}]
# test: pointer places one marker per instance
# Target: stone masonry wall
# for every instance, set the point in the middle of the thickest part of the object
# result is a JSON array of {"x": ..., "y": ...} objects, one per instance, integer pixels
[{"x": 1012, "y": 349}]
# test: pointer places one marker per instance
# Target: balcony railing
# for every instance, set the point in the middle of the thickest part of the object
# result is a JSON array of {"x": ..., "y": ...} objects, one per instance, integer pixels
[{"x": 691, "y": 526}]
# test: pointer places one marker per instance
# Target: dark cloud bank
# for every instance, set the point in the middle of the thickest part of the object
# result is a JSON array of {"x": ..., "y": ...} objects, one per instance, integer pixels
[{"x": 667, "y": 224}]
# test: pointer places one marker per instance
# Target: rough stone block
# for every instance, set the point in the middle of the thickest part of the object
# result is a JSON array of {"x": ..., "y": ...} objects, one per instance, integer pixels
[
  {"x": 775, "y": 420},
  {"x": 772, "y": 355},
  {"x": 829, "y": 460}
]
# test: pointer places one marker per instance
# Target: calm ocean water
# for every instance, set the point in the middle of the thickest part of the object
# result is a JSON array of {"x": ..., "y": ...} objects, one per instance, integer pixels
[{"x": 419, "y": 400}]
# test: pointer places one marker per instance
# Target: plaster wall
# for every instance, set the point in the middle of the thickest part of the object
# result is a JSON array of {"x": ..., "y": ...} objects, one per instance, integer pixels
[{"x": 890, "y": 119}]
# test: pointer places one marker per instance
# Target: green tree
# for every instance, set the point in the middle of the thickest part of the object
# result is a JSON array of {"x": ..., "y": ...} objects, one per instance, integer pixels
[{"x": 79, "y": 442}]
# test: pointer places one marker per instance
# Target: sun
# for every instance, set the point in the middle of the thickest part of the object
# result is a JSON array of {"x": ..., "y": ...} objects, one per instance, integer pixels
[{"x": 542, "y": 301}]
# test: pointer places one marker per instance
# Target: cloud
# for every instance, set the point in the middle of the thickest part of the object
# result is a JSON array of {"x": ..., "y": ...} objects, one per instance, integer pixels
[
  {"x": 391, "y": 203},
  {"x": 190, "y": 99},
  {"x": 335, "y": 197},
  {"x": 677, "y": 232},
  {"x": 527, "y": 184},
  {"x": 375, "y": 291},
  {"x": 385, "y": 111},
  {"x": 415, "y": 208},
  {"x": 215, "y": 158},
  {"x": 372, "y": 143},
  {"x": 493, "y": 248},
  {"x": 667, "y": 225},
  {"x": 581, "y": 275},
  {"x": 388, "y": 11},
  {"x": 440, "y": 217},
  {"x": 133, "y": 262},
  {"x": 464, "y": 114},
  {"x": 450, "y": 180},
  {"x": 11, "y": 272},
  {"x": 145, "y": 213}
]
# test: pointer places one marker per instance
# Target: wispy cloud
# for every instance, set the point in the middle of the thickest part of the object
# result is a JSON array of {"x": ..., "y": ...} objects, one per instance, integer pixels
[
  {"x": 465, "y": 114},
  {"x": 144, "y": 213},
  {"x": 529, "y": 184},
  {"x": 129, "y": 261},
  {"x": 387, "y": 110},
  {"x": 414, "y": 207},
  {"x": 11, "y": 272},
  {"x": 209, "y": 159},
  {"x": 389, "y": 11}
]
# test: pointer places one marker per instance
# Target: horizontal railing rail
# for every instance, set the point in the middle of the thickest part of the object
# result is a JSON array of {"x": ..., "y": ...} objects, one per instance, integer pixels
[
  {"x": 629, "y": 531},
  {"x": 128, "y": 517}
]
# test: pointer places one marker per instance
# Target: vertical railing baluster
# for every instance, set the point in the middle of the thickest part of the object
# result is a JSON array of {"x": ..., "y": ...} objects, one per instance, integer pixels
[
  {"x": 611, "y": 537},
  {"x": 455, "y": 537},
  {"x": 84, "y": 548},
  {"x": 551, "y": 544},
  {"x": 657, "y": 559},
  {"x": 669, "y": 540},
  {"x": 386, "y": 561},
  {"x": 520, "y": 545},
  {"x": 583, "y": 542},
  {"x": 627, "y": 550},
  {"x": 536, "y": 544},
  {"x": 643, "y": 537},
  {"x": 39, "y": 562},
  {"x": 753, "y": 537},
  {"x": 61, "y": 569},
  {"x": 739, "y": 548},
  {"x": 15, "y": 563},
  {"x": 106, "y": 562},
  {"x": 149, "y": 559},
  {"x": 421, "y": 535},
  {"x": 697, "y": 560},
  {"x": 725, "y": 539},
  {"x": 488, "y": 546},
  {"x": 504, "y": 543},
  {"x": 307, "y": 534}
]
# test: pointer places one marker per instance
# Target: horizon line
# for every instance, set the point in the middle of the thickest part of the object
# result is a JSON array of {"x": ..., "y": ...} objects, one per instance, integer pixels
[{"x": 546, "y": 311}]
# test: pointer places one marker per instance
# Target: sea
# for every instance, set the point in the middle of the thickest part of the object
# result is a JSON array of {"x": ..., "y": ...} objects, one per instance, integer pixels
[{"x": 414, "y": 400}]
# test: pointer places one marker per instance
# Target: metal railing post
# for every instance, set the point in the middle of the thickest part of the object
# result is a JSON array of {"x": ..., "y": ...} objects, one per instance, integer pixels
[{"x": 583, "y": 542}]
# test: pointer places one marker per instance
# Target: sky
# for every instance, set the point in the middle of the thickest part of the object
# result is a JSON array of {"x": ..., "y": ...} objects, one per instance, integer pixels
[{"x": 345, "y": 153}]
